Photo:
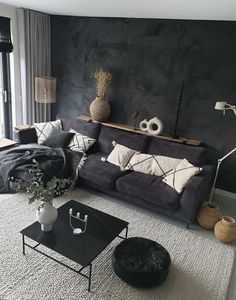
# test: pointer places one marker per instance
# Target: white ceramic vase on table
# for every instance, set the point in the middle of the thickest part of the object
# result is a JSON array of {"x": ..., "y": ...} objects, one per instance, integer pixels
[{"x": 46, "y": 215}]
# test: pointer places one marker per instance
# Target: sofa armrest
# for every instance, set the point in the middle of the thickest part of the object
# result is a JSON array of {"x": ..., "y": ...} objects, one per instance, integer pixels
[
  {"x": 196, "y": 191},
  {"x": 25, "y": 136}
]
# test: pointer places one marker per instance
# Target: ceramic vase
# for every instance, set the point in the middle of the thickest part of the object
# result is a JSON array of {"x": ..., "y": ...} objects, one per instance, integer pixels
[
  {"x": 100, "y": 109},
  {"x": 143, "y": 125},
  {"x": 208, "y": 215},
  {"x": 46, "y": 215},
  {"x": 225, "y": 229},
  {"x": 155, "y": 126}
]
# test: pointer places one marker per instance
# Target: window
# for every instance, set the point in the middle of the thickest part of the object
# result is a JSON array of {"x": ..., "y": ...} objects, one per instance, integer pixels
[
  {"x": 5, "y": 88},
  {"x": 5, "y": 97},
  {"x": 1, "y": 100}
]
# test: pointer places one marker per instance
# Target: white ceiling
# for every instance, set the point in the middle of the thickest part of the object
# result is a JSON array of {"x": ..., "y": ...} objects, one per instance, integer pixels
[{"x": 172, "y": 9}]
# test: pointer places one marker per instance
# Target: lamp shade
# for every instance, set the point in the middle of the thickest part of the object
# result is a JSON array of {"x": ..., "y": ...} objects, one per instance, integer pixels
[
  {"x": 221, "y": 105},
  {"x": 45, "y": 89}
]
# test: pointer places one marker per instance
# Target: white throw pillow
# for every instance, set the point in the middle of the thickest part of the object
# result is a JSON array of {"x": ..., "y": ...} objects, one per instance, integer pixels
[
  {"x": 80, "y": 142},
  {"x": 43, "y": 130},
  {"x": 179, "y": 176},
  {"x": 152, "y": 164},
  {"x": 120, "y": 155}
]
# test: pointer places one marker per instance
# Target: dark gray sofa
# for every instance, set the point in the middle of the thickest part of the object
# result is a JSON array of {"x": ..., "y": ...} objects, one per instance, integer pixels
[{"x": 144, "y": 190}]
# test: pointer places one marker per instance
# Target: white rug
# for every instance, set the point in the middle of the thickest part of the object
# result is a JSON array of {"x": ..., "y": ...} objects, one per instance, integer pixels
[{"x": 200, "y": 269}]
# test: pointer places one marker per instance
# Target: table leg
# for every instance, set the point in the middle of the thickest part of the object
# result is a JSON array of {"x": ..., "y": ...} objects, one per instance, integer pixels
[
  {"x": 23, "y": 244},
  {"x": 90, "y": 277}
]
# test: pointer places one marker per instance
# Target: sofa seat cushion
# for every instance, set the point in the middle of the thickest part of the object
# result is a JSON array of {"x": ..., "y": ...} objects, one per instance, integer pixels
[
  {"x": 149, "y": 188},
  {"x": 99, "y": 172}
]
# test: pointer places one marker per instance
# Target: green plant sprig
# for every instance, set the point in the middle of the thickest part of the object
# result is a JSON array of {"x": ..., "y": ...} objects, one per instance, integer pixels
[{"x": 38, "y": 190}]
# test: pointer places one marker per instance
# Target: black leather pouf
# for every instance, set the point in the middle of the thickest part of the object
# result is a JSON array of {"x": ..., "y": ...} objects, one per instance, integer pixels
[{"x": 141, "y": 262}]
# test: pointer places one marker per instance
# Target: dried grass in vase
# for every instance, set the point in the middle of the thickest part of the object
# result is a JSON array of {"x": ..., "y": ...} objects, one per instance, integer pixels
[{"x": 103, "y": 78}]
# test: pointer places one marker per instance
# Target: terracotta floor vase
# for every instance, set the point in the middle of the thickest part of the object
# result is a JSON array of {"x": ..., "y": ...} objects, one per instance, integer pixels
[
  {"x": 208, "y": 215},
  {"x": 225, "y": 230}
]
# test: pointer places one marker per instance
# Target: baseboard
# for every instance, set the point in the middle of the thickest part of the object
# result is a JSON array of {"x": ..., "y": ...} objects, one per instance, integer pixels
[{"x": 225, "y": 193}]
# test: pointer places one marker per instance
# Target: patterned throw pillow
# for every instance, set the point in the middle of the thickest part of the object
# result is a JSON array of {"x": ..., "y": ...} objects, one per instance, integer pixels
[
  {"x": 43, "y": 130},
  {"x": 120, "y": 155},
  {"x": 179, "y": 176},
  {"x": 80, "y": 142},
  {"x": 152, "y": 164}
]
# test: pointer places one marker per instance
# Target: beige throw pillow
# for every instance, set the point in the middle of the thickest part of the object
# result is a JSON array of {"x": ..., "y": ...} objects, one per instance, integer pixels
[
  {"x": 152, "y": 164},
  {"x": 120, "y": 155},
  {"x": 179, "y": 176}
]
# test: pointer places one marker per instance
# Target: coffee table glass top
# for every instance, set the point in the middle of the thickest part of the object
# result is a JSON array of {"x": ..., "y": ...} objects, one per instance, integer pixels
[{"x": 102, "y": 228}]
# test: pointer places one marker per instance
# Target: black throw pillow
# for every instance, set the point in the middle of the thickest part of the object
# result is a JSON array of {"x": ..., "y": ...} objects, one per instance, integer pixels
[{"x": 58, "y": 139}]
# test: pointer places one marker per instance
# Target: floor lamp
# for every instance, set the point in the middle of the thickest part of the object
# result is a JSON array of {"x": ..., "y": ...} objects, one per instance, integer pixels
[
  {"x": 45, "y": 92},
  {"x": 222, "y": 106}
]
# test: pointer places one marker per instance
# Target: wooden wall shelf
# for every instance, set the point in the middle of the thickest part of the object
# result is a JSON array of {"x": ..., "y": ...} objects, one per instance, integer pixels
[{"x": 131, "y": 129}]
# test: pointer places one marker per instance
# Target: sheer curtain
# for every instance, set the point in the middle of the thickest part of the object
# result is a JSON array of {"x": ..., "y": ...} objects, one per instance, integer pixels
[{"x": 35, "y": 61}]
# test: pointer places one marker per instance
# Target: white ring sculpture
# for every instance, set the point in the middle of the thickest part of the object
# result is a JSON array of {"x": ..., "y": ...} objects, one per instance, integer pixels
[
  {"x": 155, "y": 126},
  {"x": 143, "y": 125}
]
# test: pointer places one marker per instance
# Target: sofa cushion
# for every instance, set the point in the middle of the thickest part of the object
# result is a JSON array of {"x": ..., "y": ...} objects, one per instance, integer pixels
[
  {"x": 99, "y": 172},
  {"x": 157, "y": 165},
  {"x": 58, "y": 139},
  {"x": 43, "y": 130},
  {"x": 196, "y": 155},
  {"x": 80, "y": 142},
  {"x": 86, "y": 128},
  {"x": 134, "y": 141},
  {"x": 180, "y": 175},
  {"x": 120, "y": 155},
  {"x": 149, "y": 188}
]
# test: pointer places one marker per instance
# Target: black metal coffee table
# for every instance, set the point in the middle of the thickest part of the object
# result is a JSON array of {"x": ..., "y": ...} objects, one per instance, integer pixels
[{"x": 102, "y": 229}]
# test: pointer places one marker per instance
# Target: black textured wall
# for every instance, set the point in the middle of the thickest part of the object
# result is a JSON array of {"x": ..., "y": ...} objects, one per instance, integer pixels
[{"x": 149, "y": 59}]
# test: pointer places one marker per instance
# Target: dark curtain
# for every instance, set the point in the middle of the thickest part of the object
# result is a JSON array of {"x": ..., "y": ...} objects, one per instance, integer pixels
[{"x": 5, "y": 35}]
